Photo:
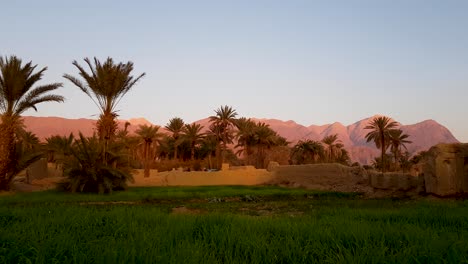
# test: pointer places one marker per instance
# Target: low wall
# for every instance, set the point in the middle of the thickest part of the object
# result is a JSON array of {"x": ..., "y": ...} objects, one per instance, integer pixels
[
  {"x": 234, "y": 176},
  {"x": 334, "y": 177},
  {"x": 396, "y": 181}
]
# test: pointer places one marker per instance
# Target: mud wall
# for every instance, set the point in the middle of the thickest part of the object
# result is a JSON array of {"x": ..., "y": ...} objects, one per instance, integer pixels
[
  {"x": 233, "y": 176},
  {"x": 445, "y": 169}
]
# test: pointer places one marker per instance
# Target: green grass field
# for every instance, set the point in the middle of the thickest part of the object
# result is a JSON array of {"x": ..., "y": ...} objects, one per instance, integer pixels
[{"x": 229, "y": 225}]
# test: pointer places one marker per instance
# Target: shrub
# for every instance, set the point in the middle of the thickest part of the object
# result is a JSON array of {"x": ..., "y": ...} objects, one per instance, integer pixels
[{"x": 91, "y": 169}]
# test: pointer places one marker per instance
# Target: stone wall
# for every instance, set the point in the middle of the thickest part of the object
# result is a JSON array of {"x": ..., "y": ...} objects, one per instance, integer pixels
[{"x": 446, "y": 169}]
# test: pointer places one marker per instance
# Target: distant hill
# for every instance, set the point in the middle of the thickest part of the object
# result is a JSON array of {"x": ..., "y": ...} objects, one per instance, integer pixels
[{"x": 423, "y": 134}]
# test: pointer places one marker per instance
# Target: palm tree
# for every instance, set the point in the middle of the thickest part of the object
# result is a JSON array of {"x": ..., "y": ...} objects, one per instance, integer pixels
[
  {"x": 245, "y": 137},
  {"x": 264, "y": 138},
  {"x": 333, "y": 147},
  {"x": 307, "y": 151},
  {"x": 397, "y": 140},
  {"x": 148, "y": 134},
  {"x": 343, "y": 157},
  {"x": 59, "y": 148},
  {"x": 175, "y": 126},
  {"x": 380, "y": 133},
  {"x": 29, "y": 141},
  {"x": 224, "y": 119},
  {"x": 86, "y": 171},
  {"x": 192, "y": 134},
  {"x": 106, "y": 84},
  {"x": 209, "y": 145},
  {"x": 16, "y": 96}
]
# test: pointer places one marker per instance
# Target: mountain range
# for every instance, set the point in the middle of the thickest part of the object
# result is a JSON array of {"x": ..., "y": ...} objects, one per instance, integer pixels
[{"x": 423, "y": 134}]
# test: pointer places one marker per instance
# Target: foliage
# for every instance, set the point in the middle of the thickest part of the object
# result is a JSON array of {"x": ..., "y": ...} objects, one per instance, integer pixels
[
  {"x": 398, "y": 140},
  {"x": 193, "y": 136},
  {"x": 86, "y": 170},
  {"x": 18, "y": 93},
  {"x": 149, "y": 135},
  {"x": 309, "y": 151},
  {"x": 175, "y": 126},
  {"x": 106, "y": 84},
  {"x": 332, "y": 148},
  {"x": 223, "y": 123},
  {"x": 381, "y": 128},
  {"x": 58, "y": 148}
]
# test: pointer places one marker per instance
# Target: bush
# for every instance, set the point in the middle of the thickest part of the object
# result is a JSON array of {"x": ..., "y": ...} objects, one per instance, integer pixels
[{"x": 92, "y": 168}]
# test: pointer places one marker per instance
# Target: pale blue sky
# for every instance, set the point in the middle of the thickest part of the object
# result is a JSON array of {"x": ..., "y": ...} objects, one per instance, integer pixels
[{"x": 314, "y": 62}]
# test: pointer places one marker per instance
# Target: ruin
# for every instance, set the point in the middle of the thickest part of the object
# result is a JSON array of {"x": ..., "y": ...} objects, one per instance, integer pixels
[{"x": 445, "y": 169}]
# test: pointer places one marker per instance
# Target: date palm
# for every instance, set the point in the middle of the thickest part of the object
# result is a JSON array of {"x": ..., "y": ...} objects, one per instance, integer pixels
[
  {"x": 85, "y": 170},
  {"x": 149, "y": 135},
  {"x": 307, "y": 151},
  {"x": 398, "y": 140},
  {"x": 264, "y": 138},
  {"x": 175, "y": 126},
  {"x": 224, "y": 119},
  {"x": 59, "y": 148},
  {"x": 381, "y": 128},
  {"x": 332, "y": 146},
  {"x": 193, "y": 135},
  {"x": 105, "y": 84},
  {"x": 213, "y": 141},
  {"x": 18, "y": 93},
  {"x": 245, "y": 137}
]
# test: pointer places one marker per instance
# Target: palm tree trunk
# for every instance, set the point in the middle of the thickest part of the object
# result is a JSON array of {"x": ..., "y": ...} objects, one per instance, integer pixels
[
  {"x": 7, "y": 148},
  {"x": 382, "y": 157},
  {"x": 209, "y": 161},
  {"x": 218, "y": 154},
  {"x": 147, "y": 167},
  {"x": 223, "y": 151},
  {"x": 192, "y": 152}
]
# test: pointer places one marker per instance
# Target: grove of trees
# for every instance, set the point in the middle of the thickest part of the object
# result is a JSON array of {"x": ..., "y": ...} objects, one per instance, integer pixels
[{"x": 104, "y": 162}]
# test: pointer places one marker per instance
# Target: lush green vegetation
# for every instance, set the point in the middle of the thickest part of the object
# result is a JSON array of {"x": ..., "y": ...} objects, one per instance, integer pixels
[{"x": 229, "y": 225}]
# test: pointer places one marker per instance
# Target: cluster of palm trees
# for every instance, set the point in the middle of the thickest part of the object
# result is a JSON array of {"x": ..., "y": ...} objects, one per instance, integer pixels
[
  {"x": 386, "y": 134},
  {"x": 227, "y": 139},
  {"x": 329, "y": 150},
  {"x": 105, "y": 83},
  {"x": 102, "y": 163}
]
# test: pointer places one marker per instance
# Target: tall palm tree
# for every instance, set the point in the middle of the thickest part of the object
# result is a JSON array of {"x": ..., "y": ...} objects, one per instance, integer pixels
[
  {"x": 17, "y": 95},
  {"x": 380, "y": 133},
  {"x": 175, "y": 126},
  {"x": 149, "y": 134},
  {"x": 264, "y": 138},
  {"x": 225, "y": 118},
  {"x": 192, "y": 134},
  {"x": 398, "y": 140},
  {"x": 245, "y": 137},
  {"x": 333, "y": 147},
  {"x": 209, "y": 145},
  {"x": 106, "y": 84}
]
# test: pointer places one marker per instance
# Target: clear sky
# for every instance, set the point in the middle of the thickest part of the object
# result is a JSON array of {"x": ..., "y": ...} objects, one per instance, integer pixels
[{"x": 314, "y": 62}]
